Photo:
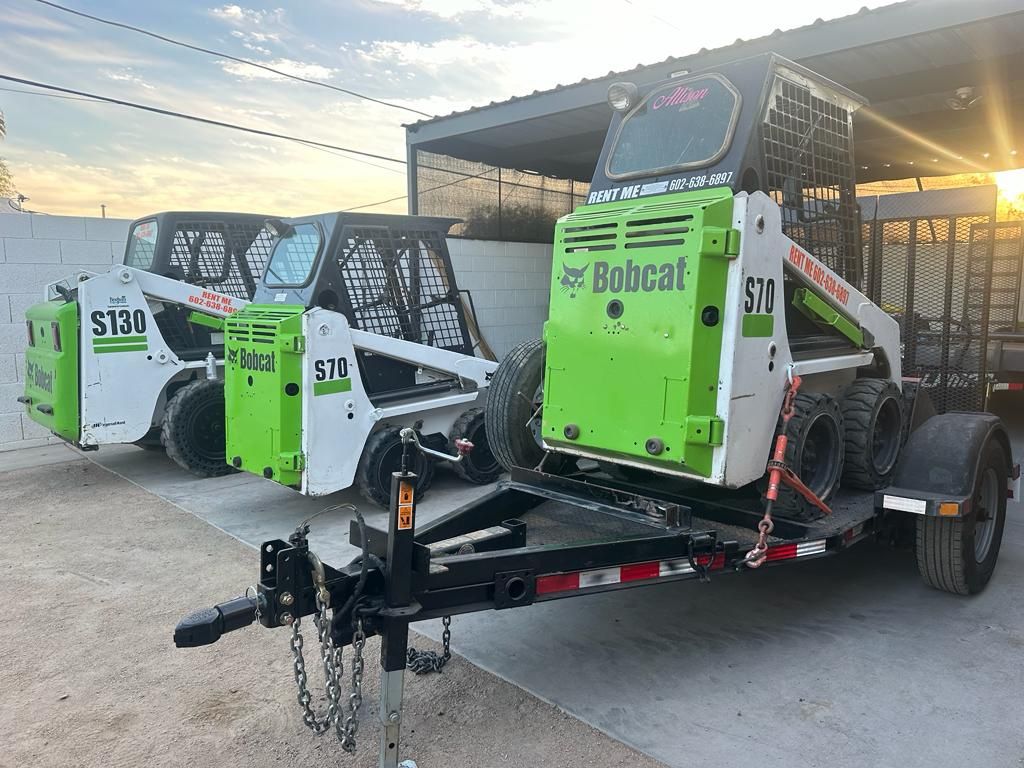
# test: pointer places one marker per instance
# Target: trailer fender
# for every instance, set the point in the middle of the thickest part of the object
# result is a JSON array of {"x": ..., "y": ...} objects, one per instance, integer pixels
[{"x": 937, "y": 472}]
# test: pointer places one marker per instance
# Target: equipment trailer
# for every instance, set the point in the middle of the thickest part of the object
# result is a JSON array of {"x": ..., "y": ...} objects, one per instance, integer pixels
[
  {"x": 542, "y": 537},
  {"x": 713, "y": 394}
]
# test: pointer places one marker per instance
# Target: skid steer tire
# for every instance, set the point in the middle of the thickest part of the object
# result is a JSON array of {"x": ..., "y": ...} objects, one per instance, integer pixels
[
  {"x": 873, "y": 429},
  {"x": 959, "y": 554},
  {"x": 193, "y": 428},
  {"x": 382, "y": 455},
  {"x": 513, "y": 399},
  {"x": 814, "y": 452},
  {"x": 479, "y": 465}
]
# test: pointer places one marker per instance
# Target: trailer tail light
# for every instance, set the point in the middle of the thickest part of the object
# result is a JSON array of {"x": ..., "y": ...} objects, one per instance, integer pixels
[
  {"x": 55, "y": 335},
  {"x": 31, "y": 333}
]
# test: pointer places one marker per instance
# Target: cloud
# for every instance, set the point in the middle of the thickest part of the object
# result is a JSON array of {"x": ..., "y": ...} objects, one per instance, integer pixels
[
  {"x": 236, "y": 14},
  {"x": 453, "y": 9},
  {"x": 126, "y": 75},
  {"x": 290, "y": 66}
]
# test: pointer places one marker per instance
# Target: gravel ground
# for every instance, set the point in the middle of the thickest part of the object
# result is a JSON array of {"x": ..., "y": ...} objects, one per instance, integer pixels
[{"x": 101, "y": 571}]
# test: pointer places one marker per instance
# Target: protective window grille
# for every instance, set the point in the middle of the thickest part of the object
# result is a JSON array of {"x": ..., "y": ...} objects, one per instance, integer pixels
[
  {"x": 228, "y": 257},
  {"x": 398, "y": 283},
  {"x": 494, "y": 203},
  {"x": 808, "y": 151},
  {"x": 950, "y": 281}
]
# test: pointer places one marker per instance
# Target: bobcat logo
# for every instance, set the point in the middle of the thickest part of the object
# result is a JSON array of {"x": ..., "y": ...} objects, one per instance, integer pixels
[
  {"x": 232, "y": 355},
  {"x": 572, "y": 279}
]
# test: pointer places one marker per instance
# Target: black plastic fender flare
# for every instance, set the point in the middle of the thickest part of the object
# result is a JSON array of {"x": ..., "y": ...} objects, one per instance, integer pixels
[{"x": 941, "y": 459}]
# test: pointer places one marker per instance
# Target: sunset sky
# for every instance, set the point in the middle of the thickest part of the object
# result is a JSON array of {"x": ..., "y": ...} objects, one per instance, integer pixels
[{"x": 72, "y": 156}]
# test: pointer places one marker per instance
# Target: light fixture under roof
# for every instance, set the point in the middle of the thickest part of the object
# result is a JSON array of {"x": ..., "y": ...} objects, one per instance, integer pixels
[{"x": 963, "y": 98}]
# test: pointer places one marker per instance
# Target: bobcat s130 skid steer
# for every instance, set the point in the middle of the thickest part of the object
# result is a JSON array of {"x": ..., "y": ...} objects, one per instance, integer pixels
[{"x": 134, "y": 354}]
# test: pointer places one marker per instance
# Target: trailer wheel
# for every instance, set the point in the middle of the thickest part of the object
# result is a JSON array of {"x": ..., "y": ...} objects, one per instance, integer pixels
[
  {"x": 873, "y": 428},
  {"x": 479, "y": 465},
  {"x": 514, "y": 403},
  {"x": 814, "y": 452},
  {"x": 959, "y": 554},
  {"x": 382, "y": 455},
  {"x": 193, "y": 428}
]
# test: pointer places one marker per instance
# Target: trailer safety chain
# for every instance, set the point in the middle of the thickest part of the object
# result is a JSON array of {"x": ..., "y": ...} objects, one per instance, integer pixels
[
  {"x": 422, "y": 662},
  {"x": 331, "y": 656}
]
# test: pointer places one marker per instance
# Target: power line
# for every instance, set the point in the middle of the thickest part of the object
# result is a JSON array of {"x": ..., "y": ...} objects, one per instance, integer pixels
[
  {"x": 228, "y": 56},
  {"x": 196, "y": 118},
  {"x": 48, "y": 95}
]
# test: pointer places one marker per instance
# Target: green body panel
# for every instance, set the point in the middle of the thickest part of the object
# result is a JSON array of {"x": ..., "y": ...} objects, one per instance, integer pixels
[
  {"x": 51, "y": 377},
  {"x": 262, "y": 356},
  {"x": 651, "y": 372},
  {"x": 817, "y": 309}
]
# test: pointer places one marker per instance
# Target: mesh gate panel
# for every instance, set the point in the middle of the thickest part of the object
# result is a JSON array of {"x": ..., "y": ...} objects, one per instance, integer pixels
[
  {"x": 930, "y": 274},
  {"x": 397, "y": 285},
  {"x": 228, "y": 257},
  {"x": 808, "y": 152}
]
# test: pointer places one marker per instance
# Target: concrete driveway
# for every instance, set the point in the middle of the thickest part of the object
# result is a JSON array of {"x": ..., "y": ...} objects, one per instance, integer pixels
[{"x": 842, "y": 661}]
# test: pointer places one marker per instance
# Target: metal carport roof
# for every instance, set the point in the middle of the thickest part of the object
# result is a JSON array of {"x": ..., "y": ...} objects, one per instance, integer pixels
[{"x": 907, "y": 59}]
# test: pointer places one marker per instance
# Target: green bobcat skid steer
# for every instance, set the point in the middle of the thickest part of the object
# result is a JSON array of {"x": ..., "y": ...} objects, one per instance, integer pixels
[
  {"x": 134, "y": 354},
  {"x": 358, "y": 330},
  {"x": 712, "y": 271}
]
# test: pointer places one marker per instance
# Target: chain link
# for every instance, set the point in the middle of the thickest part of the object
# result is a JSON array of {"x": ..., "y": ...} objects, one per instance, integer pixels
[
  {"x": 347, "y": 730},
  {"x": 422, "y": 662},
  {"x": 330, "y": 658}
]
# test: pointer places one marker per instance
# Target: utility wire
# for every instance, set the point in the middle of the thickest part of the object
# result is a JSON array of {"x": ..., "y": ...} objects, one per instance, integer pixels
[
  {"x": 48, "y": 95},
  {"x": 196, "y": 118},
  {"x": 228, "y": 56}
]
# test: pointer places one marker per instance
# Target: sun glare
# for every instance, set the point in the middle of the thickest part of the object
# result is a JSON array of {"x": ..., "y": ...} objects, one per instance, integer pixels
[{"x": 1011, "y": 184}]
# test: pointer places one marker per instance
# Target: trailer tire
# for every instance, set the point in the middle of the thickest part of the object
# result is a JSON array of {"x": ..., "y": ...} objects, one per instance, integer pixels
[
  {"x": 512, "y": 400},
  {"x": 382, "y": 455},
  {"x": 479, "y": 465},
  {"x": 193, "y": 428},
  {"x": 959, "y": 554},
  {"x": 873, "y": 432},
  {"x": 814, "y": 452}
]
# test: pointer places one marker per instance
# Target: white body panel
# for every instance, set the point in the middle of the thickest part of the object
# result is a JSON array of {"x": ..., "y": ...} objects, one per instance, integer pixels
[
  {"x": 124, "y": 361},
  {"x": 336, "y": 425}
]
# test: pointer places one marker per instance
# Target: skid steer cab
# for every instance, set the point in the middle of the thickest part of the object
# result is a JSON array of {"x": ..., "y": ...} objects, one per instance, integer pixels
[
  {"x": 134, "y": 354},
  {"x": 358, "y": 330}
]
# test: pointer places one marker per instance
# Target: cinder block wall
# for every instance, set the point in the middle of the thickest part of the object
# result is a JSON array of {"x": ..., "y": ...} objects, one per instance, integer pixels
[
  {"x": 508, "y": 281},
  {"x": 36, "y": 250}
]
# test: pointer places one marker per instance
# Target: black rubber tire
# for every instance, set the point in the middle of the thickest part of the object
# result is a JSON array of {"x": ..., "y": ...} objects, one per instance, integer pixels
[
  {"x": 816, "y": 416},
  {"x": 873, "y": 428},
  {"x": 946, "y": 555},
  {"x": 382, "y": 455},
  {"x": 193, "y": 428},
  {"x": 479, "y": 465},
  {"x": 510, "y": 406}
]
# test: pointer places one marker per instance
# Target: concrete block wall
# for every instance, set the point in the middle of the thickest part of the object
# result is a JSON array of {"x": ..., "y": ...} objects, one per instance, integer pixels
[
  {"x": 509, "y": 283},
  {"x": 36, "y": 250}
]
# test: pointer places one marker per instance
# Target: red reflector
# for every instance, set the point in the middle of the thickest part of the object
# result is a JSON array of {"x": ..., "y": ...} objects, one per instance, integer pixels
[
  {"x": 639, "y": 571},
  {"x": 55, "y": 333},
  {"x": 782, "y": 552},
  {"x": 718, "y": 562},
  {"x": 558, "y": 582}
]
